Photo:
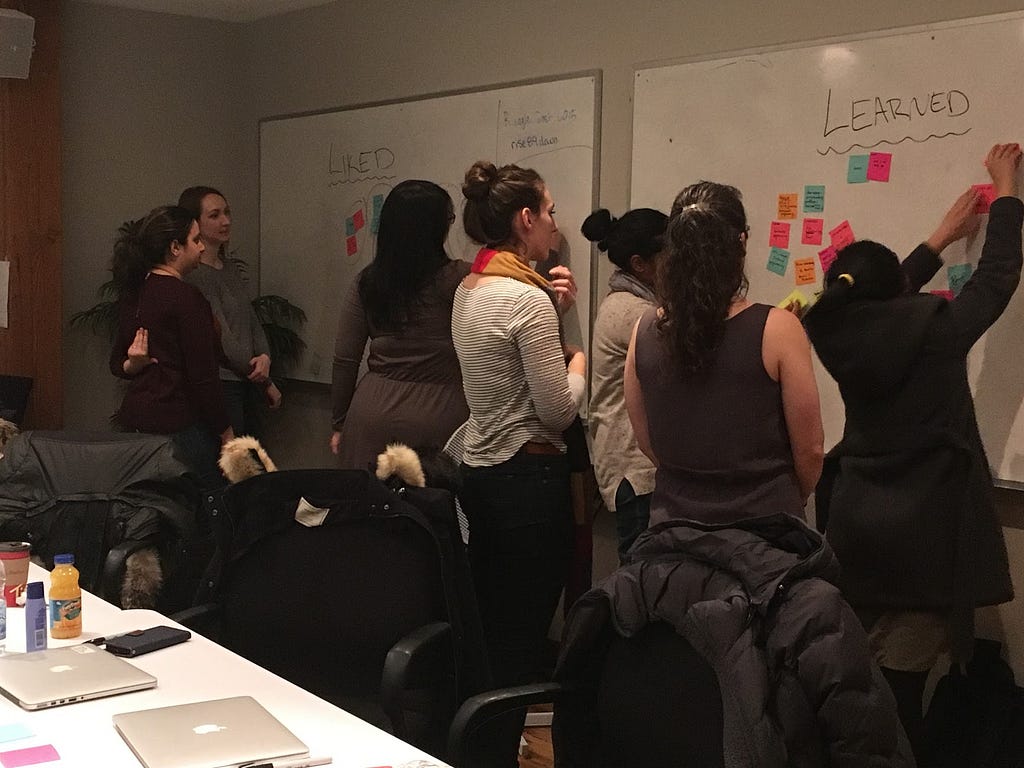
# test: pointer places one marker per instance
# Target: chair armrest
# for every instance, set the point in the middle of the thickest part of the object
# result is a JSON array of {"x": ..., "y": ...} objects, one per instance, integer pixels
[
  {"x": 416, "y": 656},
  {"x": 417, "y": 687},
  {"x": 204, "y": 619},
  {"x": 480, "y": 709}
]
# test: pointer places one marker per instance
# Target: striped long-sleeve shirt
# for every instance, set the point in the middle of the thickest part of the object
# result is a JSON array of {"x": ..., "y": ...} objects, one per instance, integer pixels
[{"x": 513, "y": 370}]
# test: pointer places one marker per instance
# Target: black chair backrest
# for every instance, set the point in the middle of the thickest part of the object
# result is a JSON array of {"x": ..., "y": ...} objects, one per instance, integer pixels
[{"x": 14, "y": 392}]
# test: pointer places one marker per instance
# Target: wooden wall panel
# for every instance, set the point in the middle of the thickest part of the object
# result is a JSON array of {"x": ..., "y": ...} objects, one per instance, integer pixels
[{"x": 30, "y": 218}]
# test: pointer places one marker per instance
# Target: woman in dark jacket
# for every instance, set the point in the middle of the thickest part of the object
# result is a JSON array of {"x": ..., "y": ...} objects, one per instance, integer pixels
[{"x": 905, "y": 498}]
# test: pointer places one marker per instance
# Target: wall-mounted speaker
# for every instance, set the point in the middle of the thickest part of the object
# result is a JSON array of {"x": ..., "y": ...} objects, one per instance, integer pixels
[{"x": 16, "y": 30}]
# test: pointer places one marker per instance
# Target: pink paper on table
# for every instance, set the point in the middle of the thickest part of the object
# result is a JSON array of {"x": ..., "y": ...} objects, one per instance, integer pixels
[
  {"x": 358, "y": 220},
  {"x": 805, "y": 273},
  {"x": 29, "y": 756},
  {"x": 986, "y": 194},
  {"x": 351, "y": 246},
  {"x": 812, "y": 231},
  {"x": 826, "y": 257},
  {"x": 841, "y": 235},
  {"x": 788, "y": 205},
  {"x": 779, "y": 237},
  {"x": 879, "y": 164},
  {"x": 944, "y": 293}
]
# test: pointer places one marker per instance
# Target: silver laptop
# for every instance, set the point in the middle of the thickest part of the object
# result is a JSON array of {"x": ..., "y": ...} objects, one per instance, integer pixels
[
  {"x": 208, "y": 734},
  {"x": 65, "y": 675}
]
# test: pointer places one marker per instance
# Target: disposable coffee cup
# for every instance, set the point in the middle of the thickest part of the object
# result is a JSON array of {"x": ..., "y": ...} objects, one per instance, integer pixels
[{"x": 14, "y": 556}]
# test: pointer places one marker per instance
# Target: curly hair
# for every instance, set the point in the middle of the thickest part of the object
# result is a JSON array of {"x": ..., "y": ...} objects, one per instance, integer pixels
[{"x": 701, "y": 272}]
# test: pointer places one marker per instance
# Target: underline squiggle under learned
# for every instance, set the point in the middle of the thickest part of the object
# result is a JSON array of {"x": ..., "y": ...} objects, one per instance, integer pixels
[
  {"x": 360, "y": 179},
  {"x": 892, "y": 143}
]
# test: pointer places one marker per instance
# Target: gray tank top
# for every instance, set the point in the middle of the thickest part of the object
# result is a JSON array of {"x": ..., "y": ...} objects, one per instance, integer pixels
[{"x": 719, "y": 434}]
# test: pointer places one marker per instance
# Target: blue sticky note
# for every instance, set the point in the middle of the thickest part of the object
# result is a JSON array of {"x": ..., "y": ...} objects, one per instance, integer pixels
[
  {"x": 857, "y": 171},
  {"x": 814, "y": 198},
  {"x": 378, "y": 203},
  {"x": 778, "y": 260},
  {"x": 350, "y": 227},
  {"x": 959, "y": 274},
  {"x": 13, "y": 732}
]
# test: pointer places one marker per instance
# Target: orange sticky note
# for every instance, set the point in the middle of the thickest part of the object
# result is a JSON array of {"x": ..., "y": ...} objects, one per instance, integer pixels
[
  {"x": 812, "y": 231},
  {"x": 788, "y": 205},
  {"x": 779, "y": 237},
  {"x": 805, "y": 271}
]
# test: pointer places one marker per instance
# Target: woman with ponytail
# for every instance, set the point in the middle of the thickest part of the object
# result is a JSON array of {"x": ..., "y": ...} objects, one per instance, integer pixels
[
  {"x": 906, "y": 496},
  {"x": 625, "y": 476},
  {"x": 167, "y": 344}
]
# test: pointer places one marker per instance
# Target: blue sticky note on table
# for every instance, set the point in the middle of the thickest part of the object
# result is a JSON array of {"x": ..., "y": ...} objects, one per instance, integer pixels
[
  {"x": 959, "y": 274},
  {"x": 814, "y": 198},
  {"x": 13, "y": 732},
  {"x": 778, "y": 260},
  {"x": 857, "y": 170}
]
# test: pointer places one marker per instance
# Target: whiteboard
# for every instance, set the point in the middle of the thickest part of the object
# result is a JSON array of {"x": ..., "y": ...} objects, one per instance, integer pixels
[
  {"x": 324, "y": 176},
  {"x": 776, "y": 122}
]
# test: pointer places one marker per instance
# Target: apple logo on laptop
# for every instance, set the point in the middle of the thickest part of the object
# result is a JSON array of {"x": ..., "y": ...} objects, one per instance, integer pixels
[
  {"x": 62, "y": 668},
  {"x": 208, "y": 728}
]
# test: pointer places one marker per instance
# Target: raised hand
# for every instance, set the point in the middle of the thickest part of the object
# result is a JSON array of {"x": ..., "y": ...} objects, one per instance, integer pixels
[{"x": 138, "y": 353}]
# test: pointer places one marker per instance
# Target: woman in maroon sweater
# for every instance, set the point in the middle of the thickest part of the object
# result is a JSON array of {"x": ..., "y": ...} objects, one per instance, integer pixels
[{"x": 167, "y": 344}]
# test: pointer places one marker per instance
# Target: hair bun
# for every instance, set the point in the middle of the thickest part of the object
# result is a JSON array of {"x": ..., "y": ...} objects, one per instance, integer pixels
[
  {"x": 479, "y": 179},
  {"x": 598, "y": 226}
]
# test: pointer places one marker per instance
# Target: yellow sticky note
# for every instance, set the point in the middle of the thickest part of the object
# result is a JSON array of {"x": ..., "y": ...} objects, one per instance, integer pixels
[{"x": 796, "y": 302}]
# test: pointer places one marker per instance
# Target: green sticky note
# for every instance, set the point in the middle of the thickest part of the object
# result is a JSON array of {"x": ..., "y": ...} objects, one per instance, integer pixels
[
  {"x": 814, "y": 198},
  {"x": 857, "y": 170},
  {"x": 778, "y": 260},
  {"x": 959, "y": 274}
]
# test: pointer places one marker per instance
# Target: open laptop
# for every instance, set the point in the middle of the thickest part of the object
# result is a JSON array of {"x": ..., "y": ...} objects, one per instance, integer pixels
[
  {"x": 208, "y": 734},
  {"x": 58, "y": 676}
]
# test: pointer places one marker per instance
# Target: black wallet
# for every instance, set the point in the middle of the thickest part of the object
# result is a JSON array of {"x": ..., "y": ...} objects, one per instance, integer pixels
[{"x": 145, "y": 640}]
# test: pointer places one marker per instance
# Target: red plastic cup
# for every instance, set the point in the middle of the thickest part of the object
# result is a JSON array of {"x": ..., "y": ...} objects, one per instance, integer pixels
[{"x": 14, "y": 556}]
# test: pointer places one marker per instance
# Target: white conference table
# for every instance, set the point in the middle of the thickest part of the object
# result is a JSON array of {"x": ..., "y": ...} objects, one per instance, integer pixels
[{"x": 196, "y": 670}]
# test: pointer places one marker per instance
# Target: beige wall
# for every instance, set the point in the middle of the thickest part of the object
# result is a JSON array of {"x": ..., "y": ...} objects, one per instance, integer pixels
[{"x": 153, "y": 102}]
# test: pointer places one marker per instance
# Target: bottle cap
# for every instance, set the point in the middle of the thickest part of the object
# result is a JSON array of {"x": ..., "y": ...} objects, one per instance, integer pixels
[
  {"x": 35, "y": 590},
  {"x": 65, "y": 559}
]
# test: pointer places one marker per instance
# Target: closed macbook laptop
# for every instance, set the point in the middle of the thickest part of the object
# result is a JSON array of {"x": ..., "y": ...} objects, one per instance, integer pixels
[
  {"x": 221, "y": 733},
  {"x": 65, "y": 675}
]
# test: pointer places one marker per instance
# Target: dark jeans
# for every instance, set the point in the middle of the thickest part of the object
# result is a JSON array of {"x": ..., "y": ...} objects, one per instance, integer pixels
[
  {"x": 632, "y": 515},
  {"x": 244, "y": 402},
  {"x": 520, "y": 532}
]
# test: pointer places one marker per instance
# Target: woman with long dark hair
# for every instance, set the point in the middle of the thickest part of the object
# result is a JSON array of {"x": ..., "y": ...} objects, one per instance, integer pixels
[
  {"x": 167, "y": 344},
  {"x": 402, "y": 304}
]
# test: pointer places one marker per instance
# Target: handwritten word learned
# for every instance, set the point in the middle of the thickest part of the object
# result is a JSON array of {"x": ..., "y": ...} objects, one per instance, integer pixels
[{"x": 883, "y": 110}]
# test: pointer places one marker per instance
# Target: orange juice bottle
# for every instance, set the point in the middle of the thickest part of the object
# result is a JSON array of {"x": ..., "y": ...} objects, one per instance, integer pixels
[{"x": 65, "y": 599}]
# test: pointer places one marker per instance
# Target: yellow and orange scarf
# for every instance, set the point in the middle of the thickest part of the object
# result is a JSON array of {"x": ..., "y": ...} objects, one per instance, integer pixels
[{"x": 505, "y": 264}]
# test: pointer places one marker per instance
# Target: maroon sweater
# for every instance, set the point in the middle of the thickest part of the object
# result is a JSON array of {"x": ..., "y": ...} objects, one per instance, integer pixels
[{"x": 183, "y": 387}]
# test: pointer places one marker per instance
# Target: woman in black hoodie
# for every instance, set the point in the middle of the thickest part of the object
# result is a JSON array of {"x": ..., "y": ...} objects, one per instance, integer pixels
[{"x": 905, "y": 498}]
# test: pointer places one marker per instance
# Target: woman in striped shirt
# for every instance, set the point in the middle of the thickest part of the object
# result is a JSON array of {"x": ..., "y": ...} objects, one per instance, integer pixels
[{"x": 523, "y": 387}]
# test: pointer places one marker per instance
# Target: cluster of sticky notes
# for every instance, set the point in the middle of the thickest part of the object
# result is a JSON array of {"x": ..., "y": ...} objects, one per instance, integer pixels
[
  {"x": 353, "y": 224},
  {"x": 873, "y": 167},
  {"x": 812, "y": 230},
  {"x": 12, "y": 758}
]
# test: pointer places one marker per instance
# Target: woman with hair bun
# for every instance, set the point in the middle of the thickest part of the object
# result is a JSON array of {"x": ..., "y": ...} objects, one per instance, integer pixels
[
  {"x": 167, "y": 344},
  {"x": 522, "y": 393},
  {"x": 906, "y": 497},
  {"x": 625, "y": 476}
]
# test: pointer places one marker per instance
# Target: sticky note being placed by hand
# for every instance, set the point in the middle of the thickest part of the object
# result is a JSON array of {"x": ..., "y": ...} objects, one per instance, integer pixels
[
  {"x": 841, "y": 235},
  {"x": 857, "y": 169},
  {"x": 778, "y": 260},
  {"x": 779, "y": 237},
  {"x": 826, "y": 257},
  {"x": 796, "y": 302},
  {"x": 805, "y": 274},
  {"x": 29, "y": 756},
  {"x": 812, "y": 231},
  {"x": 879, "y": 164},
  {"x": 788, "y": 204},
  {"x": 986, "y": 194},
  {"x": 959, "y": 274},
  {"x": 814, "y": 198}
]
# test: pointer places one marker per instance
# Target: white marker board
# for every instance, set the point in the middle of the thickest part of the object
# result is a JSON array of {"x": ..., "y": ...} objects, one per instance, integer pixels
[
  {"x": 775, "y": 122},
  {"x": 324, "y": 176}
]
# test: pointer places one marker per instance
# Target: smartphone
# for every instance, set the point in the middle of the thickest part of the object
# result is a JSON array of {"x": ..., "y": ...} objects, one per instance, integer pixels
[{"x": 145, "y": 640}]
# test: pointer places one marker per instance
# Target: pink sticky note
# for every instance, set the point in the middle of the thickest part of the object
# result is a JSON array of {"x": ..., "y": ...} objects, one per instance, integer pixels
[
  {"x": 812, "y": 231},
  {"x": 788, "y": 205},
  {"x": 944, "y": 293},
  {"x": 841, "y": 235},
  {"x": 804, "y": 269},
  {"x": 826, "y": 257},
  {"x": 351, "y": 246},
  {"x": 986, "y": 194},
  {"x": 878, "y": 166},
  {"x": 29, "y": 756},
  {"x": 358, "y": 220},
  {"x": 779, "y": 237}
]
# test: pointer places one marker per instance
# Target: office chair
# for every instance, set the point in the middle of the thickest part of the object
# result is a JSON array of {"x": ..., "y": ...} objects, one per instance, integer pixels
[
  {"x": 14, "y": 392},
  {"x": 648, "y": 700},
  {"x": 114, "y": 500},
  {"x": 368, "y": 605}
]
